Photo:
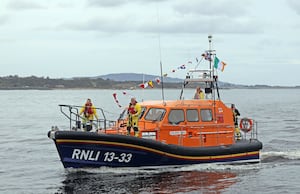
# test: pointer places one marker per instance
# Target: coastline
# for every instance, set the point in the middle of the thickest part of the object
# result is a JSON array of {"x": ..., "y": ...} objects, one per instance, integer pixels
[
  {"x": 158, "y": 88},
  {"x": 41, "y": 83}
]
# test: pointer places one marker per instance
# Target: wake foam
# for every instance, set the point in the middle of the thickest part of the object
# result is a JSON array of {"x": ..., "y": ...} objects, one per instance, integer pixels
[
  {"x": 275, "y": 156},
  {"x": 214, "y": 167}
]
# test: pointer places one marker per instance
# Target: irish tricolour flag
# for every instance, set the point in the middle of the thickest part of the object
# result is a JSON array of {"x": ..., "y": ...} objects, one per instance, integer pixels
[{"x": 219, "y": 64}]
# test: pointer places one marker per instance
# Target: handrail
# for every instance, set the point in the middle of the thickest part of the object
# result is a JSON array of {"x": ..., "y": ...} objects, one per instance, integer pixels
[{"x": 73, "y": 111}]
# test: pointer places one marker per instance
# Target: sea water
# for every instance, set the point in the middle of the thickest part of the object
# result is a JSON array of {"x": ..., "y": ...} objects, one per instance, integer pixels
[{"x": 30, "y": 162}]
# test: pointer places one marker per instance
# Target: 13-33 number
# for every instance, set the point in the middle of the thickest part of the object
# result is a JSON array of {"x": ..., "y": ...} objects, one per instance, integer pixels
[{"x": 112, "y": 156}]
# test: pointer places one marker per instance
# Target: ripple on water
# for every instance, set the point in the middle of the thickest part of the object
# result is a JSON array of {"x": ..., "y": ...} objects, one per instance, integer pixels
[
  {"x": 141, "y": 180},
  {"x": 30, "y": 162}
]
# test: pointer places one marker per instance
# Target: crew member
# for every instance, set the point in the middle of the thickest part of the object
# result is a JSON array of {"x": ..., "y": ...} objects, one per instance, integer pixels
[
  {"x": 199, "y": 94},
  {"x": 235, "y": 114},
  {"x": 134, "y": 111},
  {"x": 89, "y": 112}
]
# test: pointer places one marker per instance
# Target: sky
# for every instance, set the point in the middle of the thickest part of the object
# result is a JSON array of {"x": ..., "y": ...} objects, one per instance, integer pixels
[{"x": 258, "y": 40}]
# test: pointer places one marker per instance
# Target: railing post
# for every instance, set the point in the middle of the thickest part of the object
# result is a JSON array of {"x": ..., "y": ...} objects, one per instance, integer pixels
[{"x": 70, "y": 110}]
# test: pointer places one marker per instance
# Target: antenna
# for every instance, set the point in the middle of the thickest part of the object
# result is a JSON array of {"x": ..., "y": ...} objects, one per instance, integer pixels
[
  {"x": 143, "y": 94},
  {"x": 161, "y": 71}
]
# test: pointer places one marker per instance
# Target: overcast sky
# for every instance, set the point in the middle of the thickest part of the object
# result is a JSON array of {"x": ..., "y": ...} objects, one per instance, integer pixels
[{"x": 258, "y": 39}]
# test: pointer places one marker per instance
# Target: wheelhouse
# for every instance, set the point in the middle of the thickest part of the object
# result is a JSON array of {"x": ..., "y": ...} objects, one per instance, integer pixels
[{"x": 188, "y": 123}]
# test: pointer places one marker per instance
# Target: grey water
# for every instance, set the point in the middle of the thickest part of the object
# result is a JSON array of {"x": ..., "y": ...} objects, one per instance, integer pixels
[{"x": 30, "y": 162}]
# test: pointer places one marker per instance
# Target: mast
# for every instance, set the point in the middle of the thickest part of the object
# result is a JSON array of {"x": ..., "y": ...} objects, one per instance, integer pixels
[
  {"x": 214, "y": 84},
  {"x": 162, "y": 83},
  {"x": 210, "y": 52},
  {"x": 205, "y": 76},
  {"x": 211, "y": 70}
]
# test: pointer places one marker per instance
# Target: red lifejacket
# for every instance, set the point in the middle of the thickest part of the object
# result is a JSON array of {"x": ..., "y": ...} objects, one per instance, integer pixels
[
  {"x": 131, "y": 109},
  {"x": 88, "y": 109}
]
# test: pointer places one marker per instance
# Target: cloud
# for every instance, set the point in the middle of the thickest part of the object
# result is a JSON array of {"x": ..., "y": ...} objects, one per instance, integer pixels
[
  {"x": 205, "y": 25},
  {"x": 211, "y": 8},
  {"x": 4, "y": 19},
  {"x": 176, "y": 17},
  {"x": 101, "y": 24},
  {"x": 23, "y": 5},
  {"x": 295, "y": 5},
  {"x": 116, "y": 3},
  {"x": 64, "y": 4},
  {"x": 106, "y": 3},
  {"x": 176, "y": 25}
]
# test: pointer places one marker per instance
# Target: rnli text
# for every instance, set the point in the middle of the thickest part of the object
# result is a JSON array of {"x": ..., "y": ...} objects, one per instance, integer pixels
[{"x": 81, "y": 154}]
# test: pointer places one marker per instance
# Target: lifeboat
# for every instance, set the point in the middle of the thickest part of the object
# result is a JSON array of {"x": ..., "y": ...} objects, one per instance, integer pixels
[{"x": 171, "y": 132}]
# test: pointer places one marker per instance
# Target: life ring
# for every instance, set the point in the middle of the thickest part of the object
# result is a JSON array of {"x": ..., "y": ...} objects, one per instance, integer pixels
[{"x": 246, "y": 124}]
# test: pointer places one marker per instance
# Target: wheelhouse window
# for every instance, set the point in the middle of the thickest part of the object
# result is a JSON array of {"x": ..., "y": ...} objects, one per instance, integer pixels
[
  {"x": 206, "y": 115},
  {"x": 192, "y": 115},
  {"x": 155, "y": 114},
  {"x": 176, "y": 116}
]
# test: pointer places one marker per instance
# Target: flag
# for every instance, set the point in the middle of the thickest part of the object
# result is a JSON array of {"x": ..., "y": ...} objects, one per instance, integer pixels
[
  {"x": 125, "y": 93},
  {"x": 219, "y": 64},
  {"x": 157, "y": 80},
  {"x": 116, "y": 100},
  {"x": 144, "y": 85},
  {"x": 182, "y": 67},
  {"x": 207, "y": 56},
  {"x": 150, "y": 83}
]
